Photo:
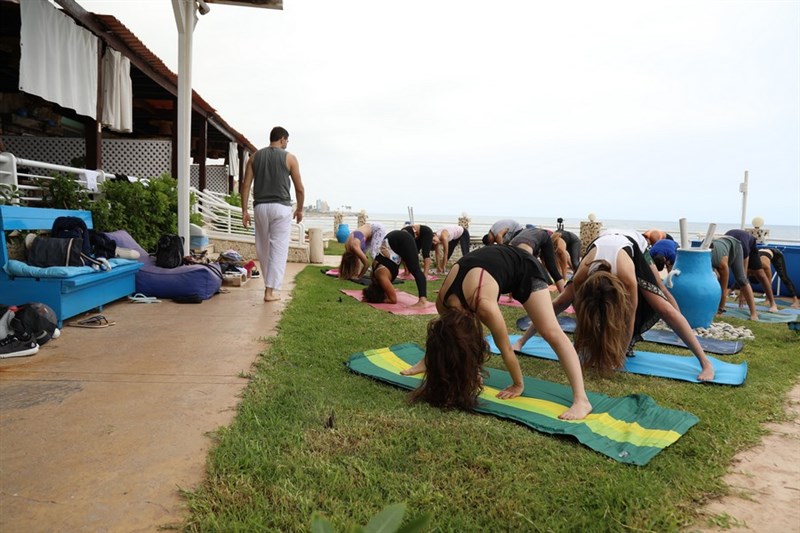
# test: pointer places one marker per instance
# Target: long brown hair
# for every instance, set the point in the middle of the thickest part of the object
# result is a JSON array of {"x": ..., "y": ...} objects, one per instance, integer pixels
[
  {"x": 350, "y": 266},
  {"x": 374, "y": 292},
  {"x": 455, "y": 351},
  {"x": 602, "y": 316}
]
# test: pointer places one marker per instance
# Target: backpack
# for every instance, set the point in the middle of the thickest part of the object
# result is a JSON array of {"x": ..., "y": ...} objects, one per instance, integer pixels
[
  {"x": 72, "y": 228},
  {"x": 35, "y": 319},
  {"x": 169, "y": 251}
]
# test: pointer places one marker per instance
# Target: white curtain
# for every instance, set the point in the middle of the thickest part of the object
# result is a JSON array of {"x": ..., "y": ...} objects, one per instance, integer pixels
[
  {"x": 117, "y": 92},
  {"x": 233, "y": 160},
  {"x": 58, "y": 58}
]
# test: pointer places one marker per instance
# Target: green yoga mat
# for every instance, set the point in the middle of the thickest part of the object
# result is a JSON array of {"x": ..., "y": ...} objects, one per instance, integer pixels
[{"x": 632, "y": 429}]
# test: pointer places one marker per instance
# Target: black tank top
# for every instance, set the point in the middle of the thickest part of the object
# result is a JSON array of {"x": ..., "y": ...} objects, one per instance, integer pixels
[
  {"x": 394, "y": 268},
  {"x": 512, "y": 268}
]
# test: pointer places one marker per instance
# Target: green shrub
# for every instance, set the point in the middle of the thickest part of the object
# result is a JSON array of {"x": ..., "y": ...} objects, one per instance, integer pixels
[
  {"x": 235, "y": 199},
  {"x": 62, "y": 192},
  {"x": 146, "y": 211}
]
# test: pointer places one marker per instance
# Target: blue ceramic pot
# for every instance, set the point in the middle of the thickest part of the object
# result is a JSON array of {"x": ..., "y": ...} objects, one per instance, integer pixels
[
  {"x": 695, "y": 287},
  {"x": 342, "y": 233}
]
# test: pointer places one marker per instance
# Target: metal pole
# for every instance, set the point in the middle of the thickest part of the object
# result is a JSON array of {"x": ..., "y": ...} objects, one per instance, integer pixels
[
  {"x": 185, "y": 18},
  {"x": 743, "y": 190}
]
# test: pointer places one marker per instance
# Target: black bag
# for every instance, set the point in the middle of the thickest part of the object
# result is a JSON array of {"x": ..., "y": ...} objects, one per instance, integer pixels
[
  {"x": 169, "y": 251},
  {"x": 102, "y": 245},
  {"x": 47, "y": 252},
  {"x": 72, "y": 228}
]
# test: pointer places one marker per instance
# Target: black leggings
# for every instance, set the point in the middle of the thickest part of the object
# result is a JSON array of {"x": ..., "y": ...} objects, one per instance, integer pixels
[
  {"x": 779, "y": 263},
  {"x": 463, "y": 241},
  {"x": 424, "y": 242},
  {"x": 403, "y": 245}
]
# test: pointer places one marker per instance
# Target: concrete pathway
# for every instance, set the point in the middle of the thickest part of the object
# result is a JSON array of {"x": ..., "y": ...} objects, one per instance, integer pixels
[{"x": 102, "y": 428}]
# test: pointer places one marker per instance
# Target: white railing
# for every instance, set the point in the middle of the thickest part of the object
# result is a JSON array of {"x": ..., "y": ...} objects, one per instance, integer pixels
[
  {"x": 22, "y": 179},
  {"x": 224, "y": 220}
]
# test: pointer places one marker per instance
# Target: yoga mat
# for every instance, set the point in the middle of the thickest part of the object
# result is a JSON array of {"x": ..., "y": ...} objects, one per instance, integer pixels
[
  {"x": 361, "y": 281},
  {"x": 660, "y": 365},
  {"x": 507, "y": 300},
  {"x": 764, "y": 316},
  {"x": 632, "y": 429},
  {"x": 785, "y": 311},
  {"x": 658, "y": 336},
  {"x": 404, "y": 299}
]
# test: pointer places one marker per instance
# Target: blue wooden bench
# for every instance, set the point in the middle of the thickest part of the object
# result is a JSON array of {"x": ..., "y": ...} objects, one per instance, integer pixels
[{"x": 66, "y": 296}]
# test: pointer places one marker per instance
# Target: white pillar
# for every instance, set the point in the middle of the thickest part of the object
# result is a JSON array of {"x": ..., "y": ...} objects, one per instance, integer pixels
[
  {"x": 743, "y": 190},
  {"x": 185, "y": 19}
]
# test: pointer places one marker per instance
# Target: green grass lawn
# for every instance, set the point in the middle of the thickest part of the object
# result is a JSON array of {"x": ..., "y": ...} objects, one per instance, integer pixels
[{"x": 278, "y": 463}]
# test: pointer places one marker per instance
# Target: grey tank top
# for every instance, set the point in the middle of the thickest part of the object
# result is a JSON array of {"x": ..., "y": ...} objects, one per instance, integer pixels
[{"x": 271, "y": 180}]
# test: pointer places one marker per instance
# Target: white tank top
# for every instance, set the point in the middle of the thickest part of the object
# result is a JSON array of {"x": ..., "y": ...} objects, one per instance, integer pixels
[
  {"x": 454, "y": 232},
  {"x": 633, "y": 234},
  {"x": 608, "y": 247}
]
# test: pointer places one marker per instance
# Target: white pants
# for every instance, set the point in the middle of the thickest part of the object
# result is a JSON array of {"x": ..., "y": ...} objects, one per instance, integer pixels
[{"x": 273, "y": 223}]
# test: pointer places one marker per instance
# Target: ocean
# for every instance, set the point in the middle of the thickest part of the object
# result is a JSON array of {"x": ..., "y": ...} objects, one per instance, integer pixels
[{"x": 479, "y": 225}]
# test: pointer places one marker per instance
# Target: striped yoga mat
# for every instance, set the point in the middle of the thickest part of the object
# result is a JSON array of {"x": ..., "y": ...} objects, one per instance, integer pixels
[{"x": 632, "y": 429}]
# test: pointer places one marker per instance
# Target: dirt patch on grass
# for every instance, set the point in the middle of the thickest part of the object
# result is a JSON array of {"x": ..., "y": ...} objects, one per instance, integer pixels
[{"x": 764, "y": 481}]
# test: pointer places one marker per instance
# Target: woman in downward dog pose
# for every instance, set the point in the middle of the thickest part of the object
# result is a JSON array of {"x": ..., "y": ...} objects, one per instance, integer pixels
[
  {"x": 773, "y": 257},
  {"x": 397, "y": 247},
  {"x": 455, "y": 348},
  {"x": 444, "y": 244},
  {"x": 423, "y": 239},
  {"x": 568, "y": 250},
  {"x": 618, "y": 296},
  {"x": 538, "y": 242},
  {"x": 355, "y": 262}
]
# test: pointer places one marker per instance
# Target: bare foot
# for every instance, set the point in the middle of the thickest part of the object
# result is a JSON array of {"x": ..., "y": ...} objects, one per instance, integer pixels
[
  {"x": 707, "y": 374},
  {"x": 517, "y": 346},
  {"x": 270, "y": 296},
  {"x": 754, "y": 317},
  {"x": 421, "y": 304},
  {"x": 796, "y": 304},
  {"x": 773, "y": 309},
  {"x": 419, "y": 368},
  {"x": 579, "y": 410}
]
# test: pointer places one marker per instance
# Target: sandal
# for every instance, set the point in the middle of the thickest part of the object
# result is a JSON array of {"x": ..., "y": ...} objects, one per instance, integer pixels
[
  {"x": 97, "y": 321},
  {"x": 140, "y": 298}
]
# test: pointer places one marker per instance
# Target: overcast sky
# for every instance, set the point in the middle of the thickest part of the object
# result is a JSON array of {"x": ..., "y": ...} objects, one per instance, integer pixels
[{"x": 631, "y": 110}]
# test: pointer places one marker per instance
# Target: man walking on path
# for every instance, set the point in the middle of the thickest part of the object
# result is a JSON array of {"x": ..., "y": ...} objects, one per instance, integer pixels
[{"x": 268, "y": 171}]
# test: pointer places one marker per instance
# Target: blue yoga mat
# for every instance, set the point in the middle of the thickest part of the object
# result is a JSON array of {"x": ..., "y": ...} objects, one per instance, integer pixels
[
  {"x": 647, "y": 363},
  {"x": 764, "y": 316},
  {"x": 785, "y": 311},
  {"x": 669, "y": 338}
]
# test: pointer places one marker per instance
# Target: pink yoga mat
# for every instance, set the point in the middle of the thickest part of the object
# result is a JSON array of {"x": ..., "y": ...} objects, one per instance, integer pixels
[{"x": 404, "y": 299}]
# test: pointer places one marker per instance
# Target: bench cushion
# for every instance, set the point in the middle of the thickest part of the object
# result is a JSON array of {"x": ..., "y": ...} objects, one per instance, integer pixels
[{"x": 20, "y": 269}]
